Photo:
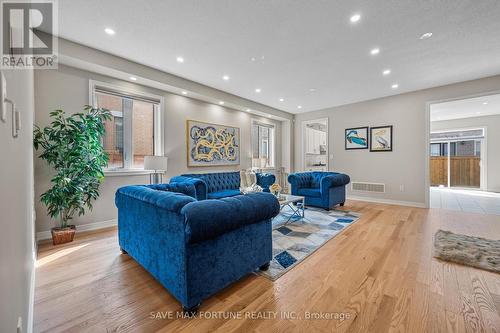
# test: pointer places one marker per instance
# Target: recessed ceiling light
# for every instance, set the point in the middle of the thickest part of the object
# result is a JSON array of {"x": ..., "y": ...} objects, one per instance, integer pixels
[
  {"x": 269, "y": 116},
  {"x": 299, "y": 107},
  {"x": 252, "y": 59},
  {"x": 355, "y": 18},
  {"x": 258, "y": 90},
  {"x": 180, "y": 59},
  {"x": 426, "y": 36},
  {"x": 225, "y": 77},
  {"x": 282, "y": 99},
  {"x": 386, "y": 72},
  {"x": 248, "y": 110},
  {"x": 221, "y": 103},
  {"x": 375, "y": 51},
  {"x": 109, "y": 31},
  {"x": 184, "y": 92},
  {"x": 312, "y": 89},
  {"x": 478, "y": 112},
  {"x": 395, "y": 86},
  {"x": 485, "y": 103},
  {"x": 133, "y": 78}
]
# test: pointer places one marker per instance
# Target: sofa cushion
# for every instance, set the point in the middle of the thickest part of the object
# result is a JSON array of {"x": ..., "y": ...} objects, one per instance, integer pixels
[
  {"x": 231, "y": 213},
  {"x": 310, "y": 192},
  {"x": 223, "y": 194}
]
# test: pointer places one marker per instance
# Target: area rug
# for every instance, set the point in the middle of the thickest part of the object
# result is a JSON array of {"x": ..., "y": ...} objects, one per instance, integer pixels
[
  {"x": 467, "y": 250},
  {"x": 297, "y": 239}
]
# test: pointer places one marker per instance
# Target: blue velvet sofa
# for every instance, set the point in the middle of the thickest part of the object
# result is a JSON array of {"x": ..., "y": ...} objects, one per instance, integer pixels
[
  {"x": 219, "y": 185},
  {"x": 320, "y": 189},
  {"x": 194, "y": 248}
]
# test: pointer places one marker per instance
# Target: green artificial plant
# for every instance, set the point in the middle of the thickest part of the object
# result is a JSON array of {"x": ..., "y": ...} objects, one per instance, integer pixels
[{"x": 72, "y": 145}]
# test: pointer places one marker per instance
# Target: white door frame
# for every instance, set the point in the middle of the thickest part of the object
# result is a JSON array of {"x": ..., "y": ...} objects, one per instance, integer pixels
[
  {"x": 427, "y": 180},
  {"x": 303, "y": 139}
]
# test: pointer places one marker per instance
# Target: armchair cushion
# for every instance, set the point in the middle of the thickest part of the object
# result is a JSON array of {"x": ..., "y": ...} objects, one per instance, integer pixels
[
  {"x": 309, "y": 192},
  {"x": 232, "y": 213}
]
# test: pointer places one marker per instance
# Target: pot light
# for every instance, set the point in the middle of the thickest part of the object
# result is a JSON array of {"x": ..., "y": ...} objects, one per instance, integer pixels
[
  {"x": 109, "y": 31},
  {"x": 133, "y": 78},
  {"x": 248, "y": 110},
  {"x": 386, "y": 72},
  {"x": 299, "y": 107},
  {"x": 312, "y": 89},
  {"x": 427, "y": 35},
  {"x": 180, "y": 59},
  {"x": 485, "y": 103},
  {"x": 395, "y": 86},
  {"x": 225, "y": 77},
  {"x": 355, "y": 18},
  {"x": 221, "y": 103},
  {"x": 269, "y": 116},
  {"x": 375, "y": 51},
  {"x": 258, "y": 90},
  {"x": 184, "y": 92},
  {"x": 478, "y": 112},
  {"x": 282, "y": 99}
]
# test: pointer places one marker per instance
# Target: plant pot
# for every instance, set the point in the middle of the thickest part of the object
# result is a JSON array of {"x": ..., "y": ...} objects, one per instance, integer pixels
[{"x": 63, "y": 235}]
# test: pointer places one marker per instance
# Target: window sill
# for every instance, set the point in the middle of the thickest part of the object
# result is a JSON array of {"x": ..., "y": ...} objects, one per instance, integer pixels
[{"x": 127, "y": 172}]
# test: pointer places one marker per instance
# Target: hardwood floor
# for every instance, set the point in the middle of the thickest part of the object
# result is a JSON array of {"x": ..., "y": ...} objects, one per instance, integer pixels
[{"x": 379, "y": 274}]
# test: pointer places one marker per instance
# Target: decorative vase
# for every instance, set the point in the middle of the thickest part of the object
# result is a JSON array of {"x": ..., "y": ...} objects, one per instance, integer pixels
[{"x": 63, "y": 235}]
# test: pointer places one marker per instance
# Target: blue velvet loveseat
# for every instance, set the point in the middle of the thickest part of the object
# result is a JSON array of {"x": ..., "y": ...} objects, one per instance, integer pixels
[
  {"x": 194, "y": 248},
  {"x": 219, "y": 185},
  {"x": 320, "y": 189}
]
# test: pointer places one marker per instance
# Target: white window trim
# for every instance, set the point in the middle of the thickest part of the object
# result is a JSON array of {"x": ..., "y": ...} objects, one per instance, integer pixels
[
  {"x": 272, "y": 125},
  {"x": 158, "y": 123}
]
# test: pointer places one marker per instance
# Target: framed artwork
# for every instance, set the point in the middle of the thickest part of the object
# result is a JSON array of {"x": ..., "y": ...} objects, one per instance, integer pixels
[
  {"x": 381, "y": 138},
  {"x": 211, "y": 144},
  {"x": 356, "y": 138}
]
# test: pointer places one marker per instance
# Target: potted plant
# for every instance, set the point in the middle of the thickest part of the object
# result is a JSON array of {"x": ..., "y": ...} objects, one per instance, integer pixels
[{"x": 72, "y": 145}]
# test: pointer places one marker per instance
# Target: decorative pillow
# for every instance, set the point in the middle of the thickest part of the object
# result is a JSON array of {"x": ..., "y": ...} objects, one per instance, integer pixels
[{"x": 247, "y": 179}]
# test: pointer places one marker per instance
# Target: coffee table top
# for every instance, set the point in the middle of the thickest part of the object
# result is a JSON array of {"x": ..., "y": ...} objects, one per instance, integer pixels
[{"x": 288, "y": 198}]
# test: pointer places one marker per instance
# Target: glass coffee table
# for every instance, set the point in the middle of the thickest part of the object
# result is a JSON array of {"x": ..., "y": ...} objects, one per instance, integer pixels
[{"x": 295, "y": 203}]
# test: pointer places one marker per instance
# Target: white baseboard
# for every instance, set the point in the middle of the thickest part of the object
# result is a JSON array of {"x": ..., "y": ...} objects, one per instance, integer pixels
[
  {"x": 388, "y": 201},
  {"x": 42, "y": 235}
]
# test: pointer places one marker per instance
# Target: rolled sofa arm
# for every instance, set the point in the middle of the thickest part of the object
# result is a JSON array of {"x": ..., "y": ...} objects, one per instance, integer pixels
[
  {"x": 265, "y": 180},
  {"x": 299, "y": 180},
  {"x": 208, "y": 219},
  {"x": 163, "y": 199},
  {"x": 334, "y": 180},
  {"x": 200, "y": 185}
]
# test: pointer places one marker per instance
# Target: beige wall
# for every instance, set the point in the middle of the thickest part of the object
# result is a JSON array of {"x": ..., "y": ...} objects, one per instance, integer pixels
[
  {"x": 67, "y": 88},
  {"x": 492, "y": 125},
  {"x": 16, "y": 207},
  {"x": 406, "y": 164}
]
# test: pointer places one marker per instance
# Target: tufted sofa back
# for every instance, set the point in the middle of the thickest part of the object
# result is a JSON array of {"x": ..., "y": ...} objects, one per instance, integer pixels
[{"x": 219, "y": 181}]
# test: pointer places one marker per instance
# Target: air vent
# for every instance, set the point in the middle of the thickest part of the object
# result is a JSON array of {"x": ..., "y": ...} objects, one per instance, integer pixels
[{"x": 368, "y": 187}]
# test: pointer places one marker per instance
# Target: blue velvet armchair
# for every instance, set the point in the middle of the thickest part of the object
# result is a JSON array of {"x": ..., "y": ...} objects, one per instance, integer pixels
[
  {"x": 320, "y": 189},
  {"x": 194, "y": 248},
  {"x": 219, "y": 185}
]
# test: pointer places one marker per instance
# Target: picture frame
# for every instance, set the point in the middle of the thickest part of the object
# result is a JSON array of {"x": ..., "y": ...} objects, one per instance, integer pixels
[
  {"x": 356, "y": 138},
  {"x": 381, "y": 138},
  {"x": 209, "y": 144}
]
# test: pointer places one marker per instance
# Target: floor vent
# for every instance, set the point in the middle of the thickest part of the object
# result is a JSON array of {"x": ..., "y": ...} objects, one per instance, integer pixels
[{"x": 368, "y": 187}]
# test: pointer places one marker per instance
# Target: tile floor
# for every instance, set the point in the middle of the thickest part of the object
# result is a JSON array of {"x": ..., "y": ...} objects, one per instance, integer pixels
[{"x": 469, "y": 201}]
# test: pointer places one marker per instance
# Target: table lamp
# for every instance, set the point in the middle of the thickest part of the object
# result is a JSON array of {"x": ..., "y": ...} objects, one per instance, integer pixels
[{"x": 158, "y": 164}]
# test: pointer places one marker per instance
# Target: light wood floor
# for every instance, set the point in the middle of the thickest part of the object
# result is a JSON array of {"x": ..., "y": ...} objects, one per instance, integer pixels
[{"x": 380, "y": 272}]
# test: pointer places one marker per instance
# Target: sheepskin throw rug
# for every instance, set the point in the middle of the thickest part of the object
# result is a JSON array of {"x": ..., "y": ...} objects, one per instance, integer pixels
[{"x": 467, "y": 250}]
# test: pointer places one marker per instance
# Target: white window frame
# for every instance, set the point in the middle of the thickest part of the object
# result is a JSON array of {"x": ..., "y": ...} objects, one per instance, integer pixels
[
  {"x": 157, "y": 121},
  {"x": 273, "y": 141}
]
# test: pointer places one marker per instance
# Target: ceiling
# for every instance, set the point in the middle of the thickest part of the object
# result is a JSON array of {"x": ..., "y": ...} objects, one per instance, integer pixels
[
  {"x": 466, "y": 108},
  {"x": 306, "y": 52}
]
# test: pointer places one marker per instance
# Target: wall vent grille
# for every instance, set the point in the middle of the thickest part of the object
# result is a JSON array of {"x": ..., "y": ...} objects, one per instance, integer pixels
[{"x": 368, "y": 187}]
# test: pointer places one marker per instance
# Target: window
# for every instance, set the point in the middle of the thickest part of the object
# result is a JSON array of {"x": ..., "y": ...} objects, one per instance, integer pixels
[
  {"x": 133, "y": 132},
  {"x": 262, "y": 145}
]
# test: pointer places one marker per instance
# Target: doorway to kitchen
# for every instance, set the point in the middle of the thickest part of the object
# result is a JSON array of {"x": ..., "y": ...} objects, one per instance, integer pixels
[{"x": 315, "y": 145}]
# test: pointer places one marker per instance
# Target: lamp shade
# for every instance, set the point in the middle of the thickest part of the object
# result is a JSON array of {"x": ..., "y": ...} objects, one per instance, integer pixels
[{"x": 155, "y": 163}]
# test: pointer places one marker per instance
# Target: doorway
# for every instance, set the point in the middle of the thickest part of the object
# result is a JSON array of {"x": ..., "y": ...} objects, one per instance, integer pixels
[{"x": 315, "y": 145}]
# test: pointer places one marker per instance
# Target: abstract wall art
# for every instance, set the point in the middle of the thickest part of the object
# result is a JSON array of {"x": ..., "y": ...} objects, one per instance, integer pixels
[
  {"x": 381, "y": 138},
  {"x": 212, "y": 145},
  {"x": 356, "y": 138}
]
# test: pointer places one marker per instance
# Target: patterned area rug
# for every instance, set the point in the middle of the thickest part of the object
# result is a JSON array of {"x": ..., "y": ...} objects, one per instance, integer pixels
[{"x": 294, "y": 241}]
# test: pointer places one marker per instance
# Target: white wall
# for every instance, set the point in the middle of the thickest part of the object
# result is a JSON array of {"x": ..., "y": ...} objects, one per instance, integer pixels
[
  {"x": 68, "y": 88},
  {"x": 406, "y": 164},
  {"x": 492, "y": 125},
  {"x": 16, "y": 207}
]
